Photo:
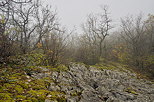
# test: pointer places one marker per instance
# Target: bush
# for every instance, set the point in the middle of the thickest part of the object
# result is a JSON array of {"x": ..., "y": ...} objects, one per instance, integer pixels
[{"x": 34, "y": 59}]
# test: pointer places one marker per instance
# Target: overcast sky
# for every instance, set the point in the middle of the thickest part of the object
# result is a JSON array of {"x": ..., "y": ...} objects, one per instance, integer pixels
[{"x": 73, "y": 12}]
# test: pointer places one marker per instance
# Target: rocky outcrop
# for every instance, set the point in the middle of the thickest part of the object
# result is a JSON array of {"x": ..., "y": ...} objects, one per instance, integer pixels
[{"x": 88, "y": 84}]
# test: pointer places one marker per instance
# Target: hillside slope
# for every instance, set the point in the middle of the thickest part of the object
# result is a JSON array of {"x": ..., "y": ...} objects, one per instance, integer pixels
[
  {"x": 80, "y": 83},
  {"x": 88, "y": 84}
]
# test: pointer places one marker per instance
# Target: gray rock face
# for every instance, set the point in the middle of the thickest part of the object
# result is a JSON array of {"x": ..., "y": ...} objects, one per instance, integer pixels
[{"x": 82, "y": 84}]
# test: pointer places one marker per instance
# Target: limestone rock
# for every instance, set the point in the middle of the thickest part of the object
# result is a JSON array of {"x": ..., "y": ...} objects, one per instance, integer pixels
[{"x": 88, "y": 84}]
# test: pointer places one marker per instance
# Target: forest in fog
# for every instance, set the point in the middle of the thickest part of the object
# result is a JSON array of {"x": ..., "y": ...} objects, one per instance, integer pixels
[
  {"x": 28, "y": 28},
  {"x": 43, "y": 61}
]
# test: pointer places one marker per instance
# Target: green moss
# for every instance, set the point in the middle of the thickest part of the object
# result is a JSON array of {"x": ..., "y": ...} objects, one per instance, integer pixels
[
  {"x": 9, "y": 87},
  {"x": 19, "y": 89},
  {"x": 39, "y": 94},
  {"x": 16, "y": 86},
  {"x": 131, "y": 90},
  {"x": 61, "y": 99},
  {"x": 17, "y": 74},
  {"x": 76, "y": 93},
  {"x": 38, "y": 84},
  {"x": 13, "y": 88},
  {"x": 29, "y": 69},
  {"x": 7, "y": 100},
  {"x": 59, "y": 96},
  {"x": 32, "y": 59},
  {"x": 3, "y": 89},
  {"x": 53, "y": 69},
  {"x": 5, "y": 96},
  {"x": 20, "y": 98},
  {"x": 134, "y": 92},
  {"x": 112, "y": 66},
  {"x": 23, "y": 84},
  {"x": 149, "y": 60},
  {"x": 33, "y": 99},
  {"x": 27, "y": 101},
  {"x": 62, "y": 67},
  {"x": 12, "y": 78}
]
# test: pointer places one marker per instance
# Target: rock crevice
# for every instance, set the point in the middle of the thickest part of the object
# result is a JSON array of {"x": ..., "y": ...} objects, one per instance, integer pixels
[{"x": 88, "y": 84}]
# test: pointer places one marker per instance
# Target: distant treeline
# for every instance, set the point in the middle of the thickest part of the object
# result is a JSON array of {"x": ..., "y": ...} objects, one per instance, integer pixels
[{"x": 27, "y": 28}]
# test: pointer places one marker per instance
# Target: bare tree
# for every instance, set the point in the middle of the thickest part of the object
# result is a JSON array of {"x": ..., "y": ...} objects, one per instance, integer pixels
[
  {"x": 97, "y": 28},
  {"x": 23, "y": 18},
  {"x": 133, "y": 31},
  {"x": 54, "y": 46},
  {"x": 7, "y": 30},
  {"x": 46, "y": 22},
  {"x": 150, "y": 32}
]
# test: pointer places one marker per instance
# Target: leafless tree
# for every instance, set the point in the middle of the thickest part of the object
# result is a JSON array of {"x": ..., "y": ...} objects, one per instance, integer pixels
[
  {"x": 46, "y": 22},
  {"x": 55, "y": 45},
  {"x": 6, "y": 36},
  {"x": 97, "y": 28},
  {"x": 133, "y": 31},
  {"x": 150, "y": 32}
]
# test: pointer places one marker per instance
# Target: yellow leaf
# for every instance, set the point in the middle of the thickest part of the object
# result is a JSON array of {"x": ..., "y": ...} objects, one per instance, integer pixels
[{"x": 39, "y": 45}]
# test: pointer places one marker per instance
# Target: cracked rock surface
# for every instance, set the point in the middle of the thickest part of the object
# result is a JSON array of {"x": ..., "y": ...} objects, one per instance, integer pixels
[{"x": 88, "y": 84}]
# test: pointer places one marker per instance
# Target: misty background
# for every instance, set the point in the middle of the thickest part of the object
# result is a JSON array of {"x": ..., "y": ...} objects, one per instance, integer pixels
[
  {"x": 72, "y": 13},
  {"x": 76, "y": 50}
]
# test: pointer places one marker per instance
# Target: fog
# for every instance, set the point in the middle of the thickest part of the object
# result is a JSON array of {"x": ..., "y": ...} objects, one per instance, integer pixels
[{"x": 73, "y": 12}]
